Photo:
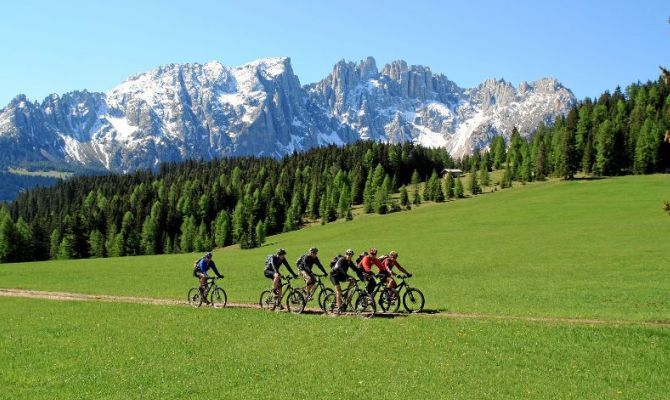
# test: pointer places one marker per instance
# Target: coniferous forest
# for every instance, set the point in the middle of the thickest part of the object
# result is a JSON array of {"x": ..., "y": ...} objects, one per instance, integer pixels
[{"x": 198, "y": 205}]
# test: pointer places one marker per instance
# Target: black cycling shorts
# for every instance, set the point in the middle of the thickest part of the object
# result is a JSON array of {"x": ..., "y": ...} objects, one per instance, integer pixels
[
  {"x": 337, "y": 278},
  {"x": 196, "y": 272},
  {"x": 270, "y": 274}
]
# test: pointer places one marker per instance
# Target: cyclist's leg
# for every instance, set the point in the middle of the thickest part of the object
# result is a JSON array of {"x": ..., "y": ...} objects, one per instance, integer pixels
[{"x": 276, "y": 284}]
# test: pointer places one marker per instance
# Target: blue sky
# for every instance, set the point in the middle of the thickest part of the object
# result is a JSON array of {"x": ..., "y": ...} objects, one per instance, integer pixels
[{"x": 590, "y": 46}]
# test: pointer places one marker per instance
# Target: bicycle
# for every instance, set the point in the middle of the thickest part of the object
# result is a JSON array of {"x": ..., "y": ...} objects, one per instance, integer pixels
[
  {"x": 295, "y": 301},
  {"x": 323, "y": 291},
  {"x": 349, "y": 296},
  {"x": 217, "y": 296},
  {"x": 413, "y": 299},
  {"x": 366, "y": 301}
]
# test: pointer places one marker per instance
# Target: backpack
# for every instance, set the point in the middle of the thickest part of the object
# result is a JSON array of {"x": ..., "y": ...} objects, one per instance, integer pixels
[
  {"x": 333, "y": 262},
  {"x": 383, "y": 258},
  {"x": 360, "y": 258}
]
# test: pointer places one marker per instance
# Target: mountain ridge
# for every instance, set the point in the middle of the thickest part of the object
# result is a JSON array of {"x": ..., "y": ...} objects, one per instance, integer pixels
[{"x": 183, "y": 111}]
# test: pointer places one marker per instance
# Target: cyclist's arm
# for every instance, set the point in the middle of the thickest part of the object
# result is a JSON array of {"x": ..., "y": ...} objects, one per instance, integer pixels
[
  {"x": 216, "y": 271},
  {"x": 404, "y": 271},
  {"x": 288, "y": 267},
  {"x": 318, "y": 264}
]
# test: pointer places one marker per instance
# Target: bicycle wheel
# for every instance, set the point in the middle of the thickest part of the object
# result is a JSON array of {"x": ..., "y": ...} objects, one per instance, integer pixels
[
  {"x": 413, "y": 300},
  {"x": 219, "y": 297},
  {"x": 322, "y": 295},
  {"x": 330, "y": 304},
  {"x": 267, "y": 301},
  {"x": 295, "y": 302},
  {"x": 365, "y": 305},
  {"x": 389, "y": 301},
  {"x": 194, "y": 298}
]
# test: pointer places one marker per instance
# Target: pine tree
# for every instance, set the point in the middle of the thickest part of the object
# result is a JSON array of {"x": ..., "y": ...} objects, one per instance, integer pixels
[
  {"x": 344, "y": 202},
  {"x": 260, "y": 233},
  {"x": 404, "y": 198},
  {"x": 8, "y": 238},
  {"x": 449, "y": 186},
  {"x": 382, "y": 196},
  {"x": 415, "y": 185},
  {"x": 473, "y": 182},
  {"x": 54, "y": 244},
  {"x": 188, "y": 233},
  {"x": 66, "y": 250},
  {"x": 368, "y": 195},
  {"x": 458, "y": 189},
  {"x": 646, "y": 149},
  {"x": 604, "y": 148},
  {"x": 97, "y": 244},
  {"x": 484, "y": 176},
  {"x": 222, "y": 229}
]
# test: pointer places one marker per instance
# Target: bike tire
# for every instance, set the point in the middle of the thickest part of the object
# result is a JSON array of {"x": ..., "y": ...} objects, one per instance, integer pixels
[
  {"x": 413, "y": 300},
  {"x": 322, "y": 296},
  {"x": 363, "y": 306},
  {"x": 330, "y": 304},
  {"x": 219, "y": 298},
  {"x": 194, "y": 298},
  {"x": 389, "y": 302},
  {"x": 295, "y": 302},
  {"x": 267, "y": 301}
]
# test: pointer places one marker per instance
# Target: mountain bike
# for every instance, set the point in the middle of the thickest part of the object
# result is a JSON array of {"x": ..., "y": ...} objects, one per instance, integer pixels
[
  {"x": 322, "y": 290},
  {"x": 412, "y": 298},
  {"x": 349, "y": 297},
  {"x": 217, "y": 296},
  {"x": 366, "y": 301},
  {"x": 295, "y": 301}
]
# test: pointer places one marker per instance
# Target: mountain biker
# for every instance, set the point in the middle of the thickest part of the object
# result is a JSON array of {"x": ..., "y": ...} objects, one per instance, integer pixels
[
  {"x": 339, "y": 274},
  {"x": 200, "y": 271},
  {"x": 272, "y": 264},
  {"x": 387, "y": 271},
  {"x": 305, "y": 264},
  {"x": 366, "y": 263}
]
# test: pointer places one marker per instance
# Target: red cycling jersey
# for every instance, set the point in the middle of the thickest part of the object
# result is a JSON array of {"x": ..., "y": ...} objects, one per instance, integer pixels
[{"x": 368, "y": 261}]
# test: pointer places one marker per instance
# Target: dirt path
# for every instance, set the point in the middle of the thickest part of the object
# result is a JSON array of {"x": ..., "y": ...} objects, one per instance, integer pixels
[{"x": 65, "y": 296}]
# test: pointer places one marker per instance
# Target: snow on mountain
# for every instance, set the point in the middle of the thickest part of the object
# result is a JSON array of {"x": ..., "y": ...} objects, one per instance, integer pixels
[{"x": 181, "y": 111}]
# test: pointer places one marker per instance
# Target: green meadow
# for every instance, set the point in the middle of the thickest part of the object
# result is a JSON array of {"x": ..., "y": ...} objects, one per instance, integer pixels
[{"x": 595, "y": 250}]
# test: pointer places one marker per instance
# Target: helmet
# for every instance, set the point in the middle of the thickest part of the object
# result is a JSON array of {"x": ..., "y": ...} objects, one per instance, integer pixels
[
  {"x": 281, "y": 252},
  {"x": 208, "y": 255},
  {"x": 313, "y": 250},
  {"x": 393, "y": 254},
  {"x": 349, "y": 252},
  {"x": 373, "y": 251}
]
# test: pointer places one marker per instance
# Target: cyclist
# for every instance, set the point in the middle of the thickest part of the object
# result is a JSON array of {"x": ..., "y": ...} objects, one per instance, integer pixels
[
  {"x": 387, "y": 271},
  {"x": 272, "y": 264},
  {"x": 200, "y": 271},
  {"x": 339, "y": 274},
  {"x": 305, "y": 264},
  {"x": 366, "y": 263}
]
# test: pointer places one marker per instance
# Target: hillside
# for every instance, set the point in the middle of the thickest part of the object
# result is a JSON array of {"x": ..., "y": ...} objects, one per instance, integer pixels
[{"x": 593, "y": 249}]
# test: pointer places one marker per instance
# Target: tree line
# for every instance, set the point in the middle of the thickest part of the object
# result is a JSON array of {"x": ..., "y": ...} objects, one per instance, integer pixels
[{"x": 197, "y": 205}]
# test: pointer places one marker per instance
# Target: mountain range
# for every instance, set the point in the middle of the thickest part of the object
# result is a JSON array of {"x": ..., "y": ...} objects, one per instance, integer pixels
[{"x": 203, "y": 111}]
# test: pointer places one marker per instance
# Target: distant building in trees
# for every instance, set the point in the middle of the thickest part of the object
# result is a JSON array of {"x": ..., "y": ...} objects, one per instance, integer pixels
[{"x": 454, "y": 172}]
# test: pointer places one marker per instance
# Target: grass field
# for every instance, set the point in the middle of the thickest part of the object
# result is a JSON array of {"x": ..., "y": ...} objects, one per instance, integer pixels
[{"x": 582, "y": 249}]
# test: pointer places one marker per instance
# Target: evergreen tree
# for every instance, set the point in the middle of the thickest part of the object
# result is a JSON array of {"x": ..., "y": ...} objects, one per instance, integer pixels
[
  {"x": 54, "y": 244},
  {"x": 382, "y": 196},
  {"x": 404, "y": 198},
  {"x": 260, "y": 232},
  {"x": 415, "y": 185},
  {"x": 66, "y": 250},
  {"x": 368, "y": 194},
  {"x": 646, "y": 149},
  {"x": 484, "y": 176},
  {"x": 8, "y": 238},
  {"x": 473, "y": 182},
  {"x": 188, "y": 233},
  {"x": 605, "y": 148},
  {"x": 344, "y": 202},
  {"x": 222, "y": 229},
  {"x": 449, "y": 186},
  {"x": 458, "y": 189},
  {"x": 97, "y": 244}
]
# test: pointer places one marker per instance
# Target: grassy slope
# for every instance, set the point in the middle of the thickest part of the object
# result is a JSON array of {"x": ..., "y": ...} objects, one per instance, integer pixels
[
  {"x": 594, "y": 249},
  {"x": 71, "y": 350}
]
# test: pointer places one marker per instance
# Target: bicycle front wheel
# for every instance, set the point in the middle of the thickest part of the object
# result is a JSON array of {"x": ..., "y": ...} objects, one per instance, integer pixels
[
  {"x": 330, "y": 304},
  {"x": 295, "y": 302},
  {"x": 322, "y": 296},
  {"x": 194, "y": 297},
  {"x": 365, "y": 305},
  {"x": 267, "y": 301},
  {"x": 413, "y": 300},
  {"x": 219, "y": 297}
]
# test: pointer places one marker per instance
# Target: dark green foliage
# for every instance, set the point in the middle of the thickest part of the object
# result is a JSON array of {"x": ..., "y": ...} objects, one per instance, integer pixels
[
  {"x": 404, "y": 198},
  {"x": 473, "y": 182},
  {"x": 458, "y": 189}
]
